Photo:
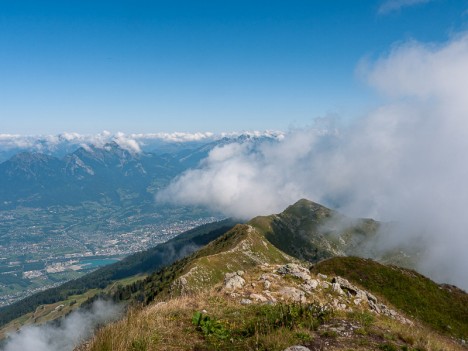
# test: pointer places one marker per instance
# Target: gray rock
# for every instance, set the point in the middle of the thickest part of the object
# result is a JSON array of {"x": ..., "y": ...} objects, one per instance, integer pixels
[
  {"x": 337, "y": 288},
  {"x": 293, "y": 294},
  {"x": 297, "y": 348},
  {"x": 322, "y": 276},
  {"x": 344, "y": 284},
  {"x": 233, "y": 281},
  {"x": 295, "y": 270},
  {"x": 258, "y": 297},
  {"x": 373, "y": 306},
  {"x": 310, "y": 284},
  {"x": 246, "y": 302},
  {"x": 371, "y": 297}
]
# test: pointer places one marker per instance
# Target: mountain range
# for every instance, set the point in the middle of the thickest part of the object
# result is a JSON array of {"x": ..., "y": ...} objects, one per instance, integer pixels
[{"x": 108, "y": 173}]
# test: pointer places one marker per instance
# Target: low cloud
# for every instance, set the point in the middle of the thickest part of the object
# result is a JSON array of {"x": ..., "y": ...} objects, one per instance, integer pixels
[
  {"x": 405, "y": 161},
  {"x": 61, "y": 144},
  {"x": 74, "y": 329},
  {"x": 396, "y": 5}
]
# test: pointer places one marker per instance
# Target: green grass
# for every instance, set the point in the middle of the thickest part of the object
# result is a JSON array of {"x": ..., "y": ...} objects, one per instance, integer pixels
[
  {"x": 442, "y": 307},
  {"x": 260, "y": 327}
]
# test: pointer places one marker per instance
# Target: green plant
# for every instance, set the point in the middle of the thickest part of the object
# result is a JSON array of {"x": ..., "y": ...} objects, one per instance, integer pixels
[
  {"x": 304, "y": 337},
  {"x": 139, "y": 345},
  {"x": 210, "y": 327},
  {"x": 388, "y": 347},
  {"x": 366, "y": 319},
  {"x": 329, "y": 334}
]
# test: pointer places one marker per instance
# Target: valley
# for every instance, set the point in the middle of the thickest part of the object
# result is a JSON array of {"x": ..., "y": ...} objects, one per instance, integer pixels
[{"x": 43, "y": 248}]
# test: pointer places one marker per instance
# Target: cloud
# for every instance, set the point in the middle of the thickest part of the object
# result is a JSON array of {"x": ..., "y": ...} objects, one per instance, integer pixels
[
  {"x": 127, "y": 143},
  {"x": 74, "y": 329},
  {"x": 66, "y": 142},
  {"x": 405, "y": 161},
  {"x": 396, "y": 5}
]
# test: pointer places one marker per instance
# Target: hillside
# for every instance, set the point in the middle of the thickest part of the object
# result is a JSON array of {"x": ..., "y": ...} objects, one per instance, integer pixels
[
  {"x": 252, "y": 288},
  {"x": 443, "y": 307},
  {"x": 137, "y": 264},
  {"x": 312, "y": 232},
  {"x": 240, "y": 292}
]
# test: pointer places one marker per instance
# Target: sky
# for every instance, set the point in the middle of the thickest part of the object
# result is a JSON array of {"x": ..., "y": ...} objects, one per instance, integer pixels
[{"x": 165, "y": 66}]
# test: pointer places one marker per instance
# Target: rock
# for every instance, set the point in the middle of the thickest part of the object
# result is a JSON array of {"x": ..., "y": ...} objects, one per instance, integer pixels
[
  {"x": 266, "y": 284},
  {"x": 297, "y": 348},
  {"x": 336, "y": 288},
  {"x": 322, "y": 276},
  {"x": 325, "y": 285},
  {"x": 344, "y": 284},
  {"x": 240, "y": 273},
  {"x": 269, "y": 276},
  {"x": 371, "y": 297},
  {"x": 373, "y": 306},
  {"x": 357, "y": 301},
  {"x": 270, "y": 296},
  {"x": 295, "y": 270},
  {"x": 310, "y": 284},
  {"x": 246, "y": 302},
  {"x": 258, "y": 297},
  {"x": 233, "y": 281},
  {"x": 293, "y": 294},
  {"x": 361, "y": 295}
]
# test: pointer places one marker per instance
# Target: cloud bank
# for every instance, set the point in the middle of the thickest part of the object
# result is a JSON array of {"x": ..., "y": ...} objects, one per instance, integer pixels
[
  {"x": 61, "y": 144},
  {"x": 406, "y": 161},
  {"x": 74, "y": 329}
]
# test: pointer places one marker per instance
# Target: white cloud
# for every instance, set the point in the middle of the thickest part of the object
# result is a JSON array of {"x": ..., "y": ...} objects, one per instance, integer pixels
[
  {"x": 66, "y": 142},
  {"x": 127, "y": 143},
  {"x": 74, "y": 329},
  {"x": 405, "y": 161},
  {"x": 395, "y": 5}
]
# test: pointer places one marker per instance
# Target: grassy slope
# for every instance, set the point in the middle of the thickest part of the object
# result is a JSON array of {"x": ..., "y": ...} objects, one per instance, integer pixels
[
  {"x": 239, "y": 248},
  {"x": 442, "y": 307},
  {"x": 312, "y": 232}
]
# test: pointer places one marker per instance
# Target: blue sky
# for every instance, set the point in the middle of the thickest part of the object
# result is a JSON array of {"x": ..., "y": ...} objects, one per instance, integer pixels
[{"x": 148, "y": 66}]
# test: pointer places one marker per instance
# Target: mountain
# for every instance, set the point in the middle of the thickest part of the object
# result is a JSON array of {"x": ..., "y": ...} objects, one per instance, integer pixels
[
  {"x": 265, "y": 285},
  {"x": 88, "y": 174},
  {"x": 109, "y": 173},
  {"x": 312, "y": 232},
  {"x": 243, "y": 292}
]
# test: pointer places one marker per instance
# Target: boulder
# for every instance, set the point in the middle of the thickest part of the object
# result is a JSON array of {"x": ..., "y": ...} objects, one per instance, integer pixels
[
  {"x": 310, "y": 284},
  {"x": 295, "y": 270},
  {"x": 293, "y": 294},
  {"x": 233, "y": 281},
  {"x": 337, "y": 288}
]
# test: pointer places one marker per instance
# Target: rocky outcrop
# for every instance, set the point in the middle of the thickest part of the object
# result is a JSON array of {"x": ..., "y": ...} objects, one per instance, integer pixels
[
  {"x": 294, "y": 270},
  {"x": 341, "y": 285},
  {"x": 233, "y": 281}
]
